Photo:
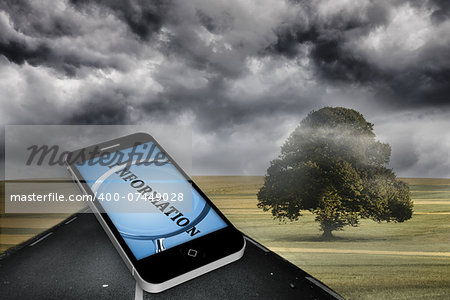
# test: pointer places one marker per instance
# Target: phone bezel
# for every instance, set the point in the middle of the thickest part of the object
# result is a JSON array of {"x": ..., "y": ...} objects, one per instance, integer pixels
[{"x": 172, "y": 262}]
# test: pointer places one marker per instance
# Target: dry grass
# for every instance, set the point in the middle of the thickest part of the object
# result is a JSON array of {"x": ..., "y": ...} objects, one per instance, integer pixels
[{"x": 372, "y": 261}]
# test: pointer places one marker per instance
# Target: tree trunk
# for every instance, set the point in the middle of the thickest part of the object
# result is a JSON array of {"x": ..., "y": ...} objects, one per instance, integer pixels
[{"x": 327, "y": 235}]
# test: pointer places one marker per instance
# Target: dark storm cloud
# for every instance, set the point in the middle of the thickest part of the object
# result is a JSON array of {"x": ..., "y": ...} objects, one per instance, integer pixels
[
  {"x": 62, "y": 36},
  {"x": 104, "y": 111},
  {"x": 442, "y": 11},
  {"x": 18, "y": 52},
  {"x": 327, "y": 38},
  {"x": 38, "y": 21},
  {"x": 144, "y": 18},
  {"x": 424, "y": 82},
  {"x": 241, "y": 73},
  {"x": 68, "y": 63},
  {"x": 213, "y": 106},
  {"x": 218, "y": 112},
  {"x": 406, "y": 154}
]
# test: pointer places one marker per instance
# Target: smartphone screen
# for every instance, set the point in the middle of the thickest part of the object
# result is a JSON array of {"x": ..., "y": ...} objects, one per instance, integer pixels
[{"x": 150, "y": 202}]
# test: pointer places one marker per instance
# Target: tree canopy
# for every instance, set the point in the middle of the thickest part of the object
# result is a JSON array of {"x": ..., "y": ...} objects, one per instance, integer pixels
[{"x": 333, "y": 166}]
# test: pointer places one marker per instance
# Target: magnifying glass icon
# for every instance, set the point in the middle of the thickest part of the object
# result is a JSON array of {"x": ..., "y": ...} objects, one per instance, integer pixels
[{"x": 199, "y": 212}]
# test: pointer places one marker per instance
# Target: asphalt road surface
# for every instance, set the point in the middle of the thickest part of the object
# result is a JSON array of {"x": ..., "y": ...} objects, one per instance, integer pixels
[{"x": 76, "y": 260}]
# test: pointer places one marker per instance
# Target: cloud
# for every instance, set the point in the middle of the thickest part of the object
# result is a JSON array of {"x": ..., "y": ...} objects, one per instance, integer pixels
[
  {"x": 240, "y": 73},
  {"x": 441, "y": 12},
  {"x": 394, "y": 48},
  {"x": 144, "y": 18},
  {"x": 419, "y": 140},
  {"x": 32, "y": 32}
]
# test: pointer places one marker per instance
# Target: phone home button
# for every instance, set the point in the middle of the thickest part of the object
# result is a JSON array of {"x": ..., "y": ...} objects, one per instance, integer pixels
[{"x": 192, "y": 253}]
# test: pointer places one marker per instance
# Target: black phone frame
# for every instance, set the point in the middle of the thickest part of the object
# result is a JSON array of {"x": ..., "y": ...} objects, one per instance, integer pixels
[{"x": 175, "y": 261}]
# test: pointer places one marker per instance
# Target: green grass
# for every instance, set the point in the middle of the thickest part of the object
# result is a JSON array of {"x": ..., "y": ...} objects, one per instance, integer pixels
[
  {"x": 355, "y": 276},
  {"x": 364, "y": 274},
  {"x": 379, "y": 277}
]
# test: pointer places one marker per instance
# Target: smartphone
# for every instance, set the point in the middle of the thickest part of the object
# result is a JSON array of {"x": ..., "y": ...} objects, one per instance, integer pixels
[{"x": 164, "y": 227}]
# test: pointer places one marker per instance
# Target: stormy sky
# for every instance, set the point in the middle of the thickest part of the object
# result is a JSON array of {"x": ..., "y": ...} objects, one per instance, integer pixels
[{"x": 241, "y": 74}]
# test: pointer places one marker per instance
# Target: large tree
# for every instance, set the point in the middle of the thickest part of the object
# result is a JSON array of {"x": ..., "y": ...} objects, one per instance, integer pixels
[{"x": 332, "y": 166}]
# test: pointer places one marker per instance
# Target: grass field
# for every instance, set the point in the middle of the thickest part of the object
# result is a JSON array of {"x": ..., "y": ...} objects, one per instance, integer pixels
[{"x": 408, "y": 260}]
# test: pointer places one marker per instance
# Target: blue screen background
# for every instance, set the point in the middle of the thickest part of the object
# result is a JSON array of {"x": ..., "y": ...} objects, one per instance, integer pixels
[{"x": 139, "y": 229}]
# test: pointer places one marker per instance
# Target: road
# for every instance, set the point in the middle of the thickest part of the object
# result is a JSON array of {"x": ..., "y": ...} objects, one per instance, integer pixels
[{"x": 75, "y": 260}]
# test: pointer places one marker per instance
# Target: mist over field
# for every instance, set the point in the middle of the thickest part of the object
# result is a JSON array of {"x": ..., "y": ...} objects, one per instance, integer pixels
[{"x": 242, "y": 74}]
